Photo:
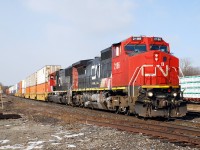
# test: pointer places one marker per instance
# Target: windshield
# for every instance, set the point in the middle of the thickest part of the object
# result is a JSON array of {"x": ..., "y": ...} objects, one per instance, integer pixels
[
  {"x": 159, "y": 47},
  {"x": 136, "y": 48}
]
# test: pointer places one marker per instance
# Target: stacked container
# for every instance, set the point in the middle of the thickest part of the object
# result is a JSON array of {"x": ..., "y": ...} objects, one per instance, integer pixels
[
  {"x": 23, "y": 88},
  {"x": 42, "y": 80},
  {"x": 33, "y": 86},
  {"x": 190, "y": 85},
  {"x": 19, "y": 89},
  {"x": 15, "y": 89},
  {"x": 36, "y": 86},
  {"x": 11, "y": 90},
  {"x": 27, "y": 87}
]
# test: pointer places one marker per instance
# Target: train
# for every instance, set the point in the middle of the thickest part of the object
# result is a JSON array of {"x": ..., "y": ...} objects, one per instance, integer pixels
[{"x": 138, "y": 75}]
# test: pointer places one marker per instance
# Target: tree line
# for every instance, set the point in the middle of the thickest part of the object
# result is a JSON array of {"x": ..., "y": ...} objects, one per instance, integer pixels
[
  {"x": 187, "y": 68},
  {"x": 3, "y": 87}
]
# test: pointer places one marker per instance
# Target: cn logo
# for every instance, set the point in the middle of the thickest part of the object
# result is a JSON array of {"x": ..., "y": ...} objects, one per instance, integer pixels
[
  {"x": 165, "y": 71},
  {"x": 116, "y": 65}
]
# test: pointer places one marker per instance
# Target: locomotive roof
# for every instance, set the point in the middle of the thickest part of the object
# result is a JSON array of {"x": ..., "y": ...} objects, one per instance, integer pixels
[
  {"x": 81, "y": 63},
  {"x": 107, "y": 49}
]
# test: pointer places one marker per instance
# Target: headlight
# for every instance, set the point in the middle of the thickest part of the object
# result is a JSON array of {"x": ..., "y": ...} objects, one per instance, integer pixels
[
  {"x": 150, "y": 94},
  {"x": 174, "y": 94}
]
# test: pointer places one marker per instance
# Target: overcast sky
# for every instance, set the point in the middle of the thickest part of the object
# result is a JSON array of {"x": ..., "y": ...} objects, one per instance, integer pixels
[{"x": 35, "y": 33}]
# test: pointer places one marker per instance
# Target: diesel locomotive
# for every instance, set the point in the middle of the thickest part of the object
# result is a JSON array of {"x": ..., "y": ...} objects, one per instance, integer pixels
[{"x": 138, "y": 76}]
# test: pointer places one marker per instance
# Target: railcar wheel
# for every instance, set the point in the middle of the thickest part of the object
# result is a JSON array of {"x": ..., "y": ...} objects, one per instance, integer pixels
[
  {"x": 127, "y": 111},
  {"x": 117, "y": 109}
]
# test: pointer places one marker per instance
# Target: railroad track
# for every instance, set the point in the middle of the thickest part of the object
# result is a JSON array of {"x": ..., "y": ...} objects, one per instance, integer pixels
[
  {"x": 193, "y": 107},
  {"x": 175, "y": 134},
  {"x": 170, "y": 131}
]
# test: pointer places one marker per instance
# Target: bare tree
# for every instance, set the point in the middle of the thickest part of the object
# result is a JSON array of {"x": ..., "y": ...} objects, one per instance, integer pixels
[
  {"x": 187, "y": 68},
  {"x": 3, "y": 88}
]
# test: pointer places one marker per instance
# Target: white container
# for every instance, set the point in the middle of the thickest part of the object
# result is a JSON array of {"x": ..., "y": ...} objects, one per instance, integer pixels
[
  {"x": 27, "y": 82},
  {"x": 23, "y": 87},
  {"x": 15, "y": 88},
  {"x": 43, "y": 74},
  {"x": 11, "y": 89},
  {"x": 33, "y": 79}
]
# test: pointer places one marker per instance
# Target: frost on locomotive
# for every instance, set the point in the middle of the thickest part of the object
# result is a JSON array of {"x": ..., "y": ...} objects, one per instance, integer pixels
[{"x": 138, "y": 75}]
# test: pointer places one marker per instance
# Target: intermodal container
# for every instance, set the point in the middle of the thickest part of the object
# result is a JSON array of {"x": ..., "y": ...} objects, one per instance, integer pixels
[
  {"x": 10, "y": 90},
  {"x": 15, "y": 89},
  {"x": 19, "y": 89},
  {"x": 23, "y": 88},
  {"x": 27, "y": 87},
  {"x": 33, "y": 85},
  {"x": 42, "y": 80}
]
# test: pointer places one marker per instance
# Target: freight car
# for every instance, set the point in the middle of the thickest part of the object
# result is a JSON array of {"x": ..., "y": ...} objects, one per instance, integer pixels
[
  {"x": 35, "y": 86},
  {"x": 138, "y": 75},
  {"x": 190, "y": 86}
]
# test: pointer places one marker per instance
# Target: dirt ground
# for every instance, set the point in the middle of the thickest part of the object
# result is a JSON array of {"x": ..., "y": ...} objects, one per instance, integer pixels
[{"x": 28, "y": 125}]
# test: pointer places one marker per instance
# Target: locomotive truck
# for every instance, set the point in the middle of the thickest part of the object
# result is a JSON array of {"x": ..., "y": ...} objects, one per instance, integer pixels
[{"x": 138, "y": 76}]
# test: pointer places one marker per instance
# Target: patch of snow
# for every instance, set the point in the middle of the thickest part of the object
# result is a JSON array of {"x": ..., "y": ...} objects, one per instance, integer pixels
[
  {"x": 52, "y": 140},
  {"x": 86, "y": 139},
  {"x": 7, "y": 125},
  {"x": 55, "y": 143},
  {"x": 34, "y": 145},
  {"x": 71, "y": 145},
  {"x": 16, "y": 146},
  {"x": 63, "y": 132},
  {"x": 4, "y": 141},
  {"x": 73, "y": 135},
  {"x": 59, "y": 138}
]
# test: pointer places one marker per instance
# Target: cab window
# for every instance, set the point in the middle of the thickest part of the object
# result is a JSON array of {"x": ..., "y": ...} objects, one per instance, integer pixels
[
  {"x": 116, "y": 51},
  {"x": 136, "y": 48},
  {"x": 159, "y": 47}
]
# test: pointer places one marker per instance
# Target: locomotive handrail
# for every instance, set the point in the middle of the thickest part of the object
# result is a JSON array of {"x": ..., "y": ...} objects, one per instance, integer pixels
[
  {"x": 176, "y": 72},
  {"x": 181, "y": 72},
  {"x": 136, "y": 70},
  {"x": 133, "y": 75},
  {"x": 137, "y": 76}
]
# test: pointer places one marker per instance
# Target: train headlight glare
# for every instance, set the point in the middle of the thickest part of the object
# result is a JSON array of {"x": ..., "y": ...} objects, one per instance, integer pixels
[
  {"x": 174, "y": 94},
  {"x": 150, "y": 94}
]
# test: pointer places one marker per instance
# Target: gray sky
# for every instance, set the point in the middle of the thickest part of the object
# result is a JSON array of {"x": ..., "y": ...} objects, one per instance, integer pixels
[{"x": 35, "y": 33}]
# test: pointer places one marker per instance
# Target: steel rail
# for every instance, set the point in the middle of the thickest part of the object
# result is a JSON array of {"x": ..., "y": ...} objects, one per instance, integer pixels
[{"x": 186, "y": 139}]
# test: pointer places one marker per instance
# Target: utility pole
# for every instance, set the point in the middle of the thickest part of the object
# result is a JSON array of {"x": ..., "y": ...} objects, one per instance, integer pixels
[{"x": 1, "y": 99}]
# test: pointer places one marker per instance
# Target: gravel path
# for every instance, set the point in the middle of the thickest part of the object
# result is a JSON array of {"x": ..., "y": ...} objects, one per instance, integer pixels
[{"x": 20, "y": 129}]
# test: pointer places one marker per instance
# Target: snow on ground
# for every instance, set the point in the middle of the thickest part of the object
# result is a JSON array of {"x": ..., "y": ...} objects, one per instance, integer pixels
[{"x": 26, "y": 135}]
